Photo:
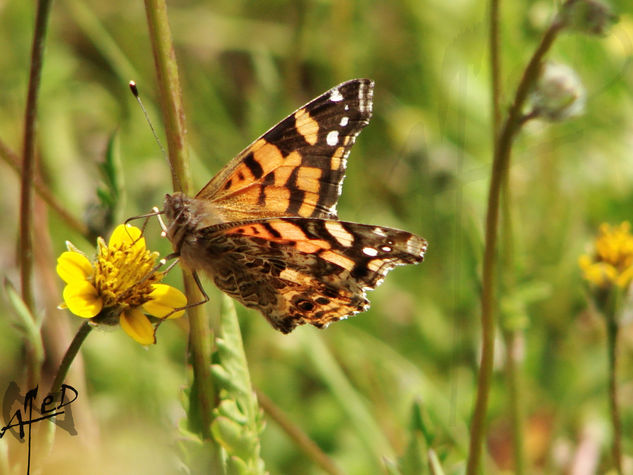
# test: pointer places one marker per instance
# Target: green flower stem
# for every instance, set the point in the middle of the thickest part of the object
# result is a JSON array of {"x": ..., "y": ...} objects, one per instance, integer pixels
[
  {"x": 170, "y": 93},
  {"x": 300, "y": 438},
  {"x": 511, "y": 335},
  {"x": 502, "y": 151},
  {"x": 612, "y": 349},
  {"x": 515, "y": 399},
  {"x": 28, "y": 171},
  {"x": 200, "y": 338},
  {"x": 495, "y": 67},
  {"x": 69, "y": 356},
  {"x": 12, "y": 159},
  {"x": 174, "y": 117},
  {"x": 62, "y": 371}
]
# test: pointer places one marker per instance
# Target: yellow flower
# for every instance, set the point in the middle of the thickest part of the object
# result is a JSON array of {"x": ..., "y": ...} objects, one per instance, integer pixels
[
  {"x": 613, "y": 259},
  {"x": 120, "y": 285}
]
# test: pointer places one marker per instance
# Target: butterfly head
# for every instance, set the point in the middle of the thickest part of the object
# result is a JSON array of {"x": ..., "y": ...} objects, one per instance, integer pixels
[
  {"x": 185, "y": 216},
  {"x": 176, "y": 207},
  {"x": 177, "y": 210}
]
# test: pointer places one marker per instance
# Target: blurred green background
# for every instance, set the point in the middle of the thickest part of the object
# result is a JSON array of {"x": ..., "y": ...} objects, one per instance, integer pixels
[{"x": 422, "y": 164}]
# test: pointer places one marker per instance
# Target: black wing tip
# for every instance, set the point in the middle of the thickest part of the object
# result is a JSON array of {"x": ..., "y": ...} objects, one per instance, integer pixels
[
  {"x": 362, "y": 88},
  {"x": 366, "y": 82}
]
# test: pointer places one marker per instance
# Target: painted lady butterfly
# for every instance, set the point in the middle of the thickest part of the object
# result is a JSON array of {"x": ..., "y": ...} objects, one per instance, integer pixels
[{"x": 265, "y": 227}]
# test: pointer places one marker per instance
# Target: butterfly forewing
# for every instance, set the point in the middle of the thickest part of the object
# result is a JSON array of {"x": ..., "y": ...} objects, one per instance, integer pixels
[
  {"x": 302, "y": 270},
  {"x": 297, "y": 167}
]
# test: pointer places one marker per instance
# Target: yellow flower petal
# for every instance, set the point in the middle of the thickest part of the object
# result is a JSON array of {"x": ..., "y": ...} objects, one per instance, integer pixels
[
  {"x": 127, "y": 235},
  {"x": 613, "y": 259},
  {"x": 624, "y": 279},
  {"x": 138, "y": 326},
  {"x": 164, "y": 299},
  {"x": 82, "y": 299},
  {"x": 73, "y": 267}
]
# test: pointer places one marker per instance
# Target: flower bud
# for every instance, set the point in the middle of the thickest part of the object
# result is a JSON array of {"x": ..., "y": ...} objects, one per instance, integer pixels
[
  {"x": 588, "y": 16},
  {"x": 558, "y": 94}
]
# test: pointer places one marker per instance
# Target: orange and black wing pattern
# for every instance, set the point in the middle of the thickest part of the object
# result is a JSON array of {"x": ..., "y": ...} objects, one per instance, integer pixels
[
  {"x": 306, "y": 270},
  {"x": 297, "y": 167}
]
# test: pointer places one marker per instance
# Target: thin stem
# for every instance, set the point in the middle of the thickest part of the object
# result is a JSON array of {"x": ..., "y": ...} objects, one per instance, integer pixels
[
  {"x": 12, "y": 159},
  {"x": 511, "y": 335},
  {"x": 200, "y": 338},
  {"x": 515, "y": 398},
  {"x": 495, "y": 68},
  {"x": 502, "y": 152},
  {"x": 169, "y": 92},
  {"x": 174, "y": 117},
  {"x": 300, "y": 438},
  {"x": 612, "y": 349},
  {"x": 69, "y": 356},
  {"x": 62, "y": 371},
  {"x": 28, "y": 167}
]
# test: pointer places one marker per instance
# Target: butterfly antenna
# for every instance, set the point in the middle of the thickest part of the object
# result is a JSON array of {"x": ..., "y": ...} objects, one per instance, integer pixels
[{"x": 134, "y": 90}]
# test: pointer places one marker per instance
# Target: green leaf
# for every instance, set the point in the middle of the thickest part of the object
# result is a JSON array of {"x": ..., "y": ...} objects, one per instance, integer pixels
[
  {"x": 391, "y": 467},
  {"x": 101, "y": 216},
  {"x": 346, "y": 395},
  {"x": 434, "y": 463},
  {"x": 26, "y": 322},
  {"x": 237, "y": 423}
]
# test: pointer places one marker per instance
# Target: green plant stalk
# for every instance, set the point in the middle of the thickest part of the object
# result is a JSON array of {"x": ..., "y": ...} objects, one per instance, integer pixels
[
  {"x": 69, "y": 356},
  {"x": 174, "y": 117},
  {"x": 298, "y": 436},
  {"x": 62, "y": 371},
  {"x": 502, "y": 152},
  {"x": 515, "y": 400},
  {"x": 170, "y": 93},
  {"x": 510, "y": 334},
  {"x": 614, "y": 407},
  {"x": 200, "y": 338},
  {"x": 28, "y": 171},
  {"x": 495, "y": 68}
]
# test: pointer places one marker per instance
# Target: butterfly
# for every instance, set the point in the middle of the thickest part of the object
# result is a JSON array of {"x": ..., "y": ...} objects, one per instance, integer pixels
[{"x": 265, "y": 228}]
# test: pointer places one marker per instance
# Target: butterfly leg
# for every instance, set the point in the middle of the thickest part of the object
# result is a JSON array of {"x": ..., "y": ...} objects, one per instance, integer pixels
[
  {"x": 188, "y": 306},
  {"x": 205, "y": 296}
]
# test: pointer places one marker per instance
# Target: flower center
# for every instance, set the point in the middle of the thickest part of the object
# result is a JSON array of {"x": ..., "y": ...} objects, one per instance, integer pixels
[
  {"x": 123, "y": 275},
  {"x": 615, "y": 247}
]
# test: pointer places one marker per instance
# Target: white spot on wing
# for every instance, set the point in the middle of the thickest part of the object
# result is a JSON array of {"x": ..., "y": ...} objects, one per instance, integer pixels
[
  {"x": 344, "y": 121},
  {"x": 332, "y": 138},
  {"x": 370, "y": 251},
  {"x": 336, "y": 96},
  {"x": 380, "y": 232},
  {"x": 385, "y": 249}
]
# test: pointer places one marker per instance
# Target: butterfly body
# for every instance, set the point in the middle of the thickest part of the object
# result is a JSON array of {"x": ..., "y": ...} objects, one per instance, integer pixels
[{"x": 265, "y": 228}]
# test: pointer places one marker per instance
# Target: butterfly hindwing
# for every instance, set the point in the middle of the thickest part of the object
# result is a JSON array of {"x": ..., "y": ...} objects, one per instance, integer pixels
[
  {"x": 297, "y": 167},
  {"x": 302, "y": 270}
]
